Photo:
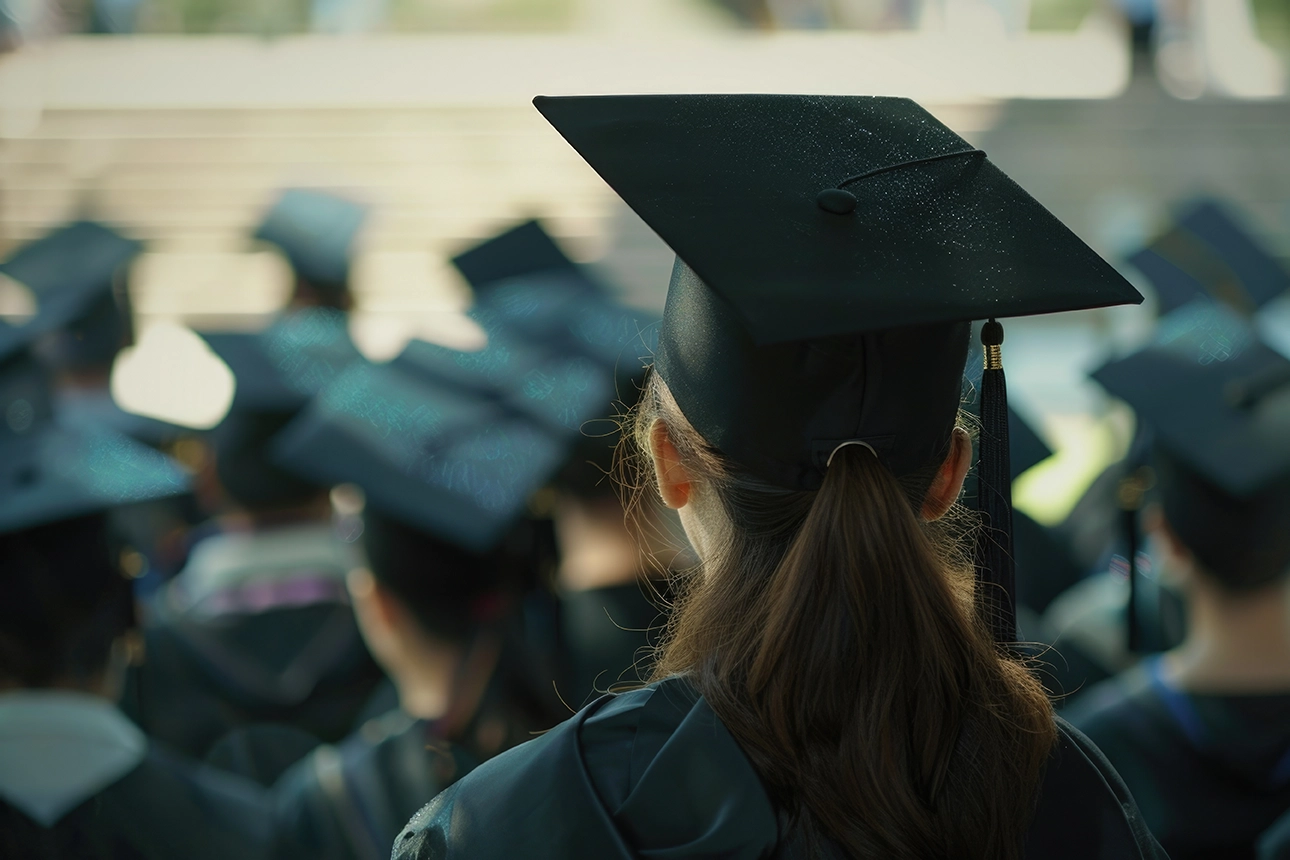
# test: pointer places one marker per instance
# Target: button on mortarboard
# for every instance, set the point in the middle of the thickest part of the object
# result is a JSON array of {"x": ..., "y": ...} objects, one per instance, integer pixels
[{"x": 731, "y": 182}]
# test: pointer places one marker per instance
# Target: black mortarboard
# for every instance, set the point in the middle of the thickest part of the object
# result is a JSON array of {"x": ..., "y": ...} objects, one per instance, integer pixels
[
  {"x": 525, "y": 249},
  {"x": 456, "y": 464},
  {"x": 316, "y": 231},
  {"x": 558, "y": 347},
  {"x": 831, "y": 253},
  {"x": 1216, "y": 403},
  {"x": 71, "y": 271},
  {"x": 1212, "y": 393},
  {"x": 1208, "y": 253},
  {"x": 50, "y": 471}
]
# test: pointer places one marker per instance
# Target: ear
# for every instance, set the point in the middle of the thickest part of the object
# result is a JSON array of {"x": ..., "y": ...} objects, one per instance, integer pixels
[
  {"x": 948, "y": 482},
  {"x": 673, "y": 478}
]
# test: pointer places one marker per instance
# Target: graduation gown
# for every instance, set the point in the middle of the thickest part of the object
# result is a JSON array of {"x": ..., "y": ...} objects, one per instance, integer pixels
[
  {"x": 654, "y": 774},
  {"x": 257, "y": 628},
  {"x": 350, "y": 801},
  {"x": 80, "y": 781},
  {"x": 1210, "y": 773}
]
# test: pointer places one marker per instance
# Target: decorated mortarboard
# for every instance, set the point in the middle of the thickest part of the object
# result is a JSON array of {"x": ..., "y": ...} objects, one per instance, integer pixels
[
  {"x": 316, "y": 231},
  {"x": 831, "y": 253},
  {"x": 1208, "y": 253},
  {"x": 455, "y": 464},
  {"x": 70, "y": 271},
  {"x": 51, "y": 471}
]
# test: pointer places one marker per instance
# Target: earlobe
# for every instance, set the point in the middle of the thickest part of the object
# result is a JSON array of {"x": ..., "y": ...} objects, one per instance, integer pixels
[{"x": 672, "y": 477}]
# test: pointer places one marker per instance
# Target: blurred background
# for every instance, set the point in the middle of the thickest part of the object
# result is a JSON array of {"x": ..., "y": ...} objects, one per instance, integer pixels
[{"x": 177, "y": 121}]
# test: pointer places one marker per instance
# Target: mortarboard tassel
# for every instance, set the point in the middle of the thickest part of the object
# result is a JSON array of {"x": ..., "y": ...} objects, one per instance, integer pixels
[
  {"x": 1130, "y": 501},
  {"x": 996, "y": 576}
]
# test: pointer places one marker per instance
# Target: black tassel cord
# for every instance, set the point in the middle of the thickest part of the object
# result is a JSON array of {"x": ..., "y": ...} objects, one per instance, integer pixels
[{"x": 996, "y": 574}]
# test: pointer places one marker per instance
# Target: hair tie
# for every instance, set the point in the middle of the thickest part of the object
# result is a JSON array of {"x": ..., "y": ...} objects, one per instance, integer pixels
[{"x": 872, "y": 451}]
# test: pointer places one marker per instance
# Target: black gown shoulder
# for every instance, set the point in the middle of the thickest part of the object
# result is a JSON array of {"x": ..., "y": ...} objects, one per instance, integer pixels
[
  {"x": 350, "y": 801},
  {"x": 1210, "y": 772},
  {"x": 653, "y": 773},
  {"x": 166, "y": 807}
]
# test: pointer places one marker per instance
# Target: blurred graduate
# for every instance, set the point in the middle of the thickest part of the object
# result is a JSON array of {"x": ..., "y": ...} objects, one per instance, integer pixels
[
  {"x": 77, "y": 778},
  {"x": 1201, "y": 733},
  {"x": 1209, "y": 253},
  {"x": 257, "y": 627},
  {"x": 455, "y": 601}
]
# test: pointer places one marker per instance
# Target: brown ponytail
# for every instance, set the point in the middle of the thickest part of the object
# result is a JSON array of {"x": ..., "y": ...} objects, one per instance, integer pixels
[{"x": 835, "y": 637}]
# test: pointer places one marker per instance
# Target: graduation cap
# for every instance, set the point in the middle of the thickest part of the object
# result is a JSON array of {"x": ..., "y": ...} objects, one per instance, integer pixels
[
  {"x": 1208, "y": 253},
  {"x": 456, "y": 464},
  {"x": 259, "y": 383},
  {"x": 71, "y": 272},
  {"x": 1216, "y": 403},
  {"x": 832, "y": 252},
  {"x": 526, "y": 249},
  {"x": 316, "y": 231},
  {"x": 51, "y": 471},
  {"x": 524, "y": 283}
]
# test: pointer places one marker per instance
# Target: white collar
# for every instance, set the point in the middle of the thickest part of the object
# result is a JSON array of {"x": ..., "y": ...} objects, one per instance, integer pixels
[{"x": 58, "y": 748}]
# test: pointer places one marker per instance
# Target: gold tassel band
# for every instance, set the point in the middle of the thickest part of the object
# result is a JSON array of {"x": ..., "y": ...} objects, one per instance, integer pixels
[{"x": 993, "y": 357}]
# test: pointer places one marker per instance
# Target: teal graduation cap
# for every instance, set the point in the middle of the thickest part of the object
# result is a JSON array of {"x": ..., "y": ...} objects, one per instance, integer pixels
[
  {"x": 316, "y": 231},
  {"x": 50, "y": 471},
  {"x": 454, "y": 463},
  {"x": 71, "y": 271},
  {"x": 831, "y": 254}
]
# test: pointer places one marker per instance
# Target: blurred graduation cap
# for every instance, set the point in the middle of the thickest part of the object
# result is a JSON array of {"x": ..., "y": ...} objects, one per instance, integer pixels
[
  {"x": 832, "y": 252},
  {"x": 50, "y": 471},
  {"x": 526, "y": 249},
  {"x": 1208, "y": 253},
  {"x": 280, "y": 368},
  {"x": 1215, "y": 401},
  {"x": 316, "y": 231},
  {"x": 559, "y": 347},
  {"x": 72, "y": 271},
  {"x": 457, "y": 465}
]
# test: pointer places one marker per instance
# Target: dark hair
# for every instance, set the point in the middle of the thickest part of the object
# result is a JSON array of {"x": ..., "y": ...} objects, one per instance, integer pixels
[
  {"x": 450, "y": 590},
  {"x": 834, "y": 635},
  {"x": 63, "y": 601},
  {"x": 1242, "y": 543},
  {"x": 246, "y": 471}
]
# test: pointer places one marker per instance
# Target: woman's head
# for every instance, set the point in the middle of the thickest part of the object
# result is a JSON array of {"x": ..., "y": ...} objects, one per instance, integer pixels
[{"x": 835, "y": 633}]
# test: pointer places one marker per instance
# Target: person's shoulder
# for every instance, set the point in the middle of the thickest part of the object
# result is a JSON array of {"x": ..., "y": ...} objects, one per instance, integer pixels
[{"x": 651, "y": 770}]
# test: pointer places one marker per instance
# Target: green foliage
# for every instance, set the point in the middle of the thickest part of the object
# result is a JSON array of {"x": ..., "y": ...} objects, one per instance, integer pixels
[{"x": 1059, "y": 14}]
